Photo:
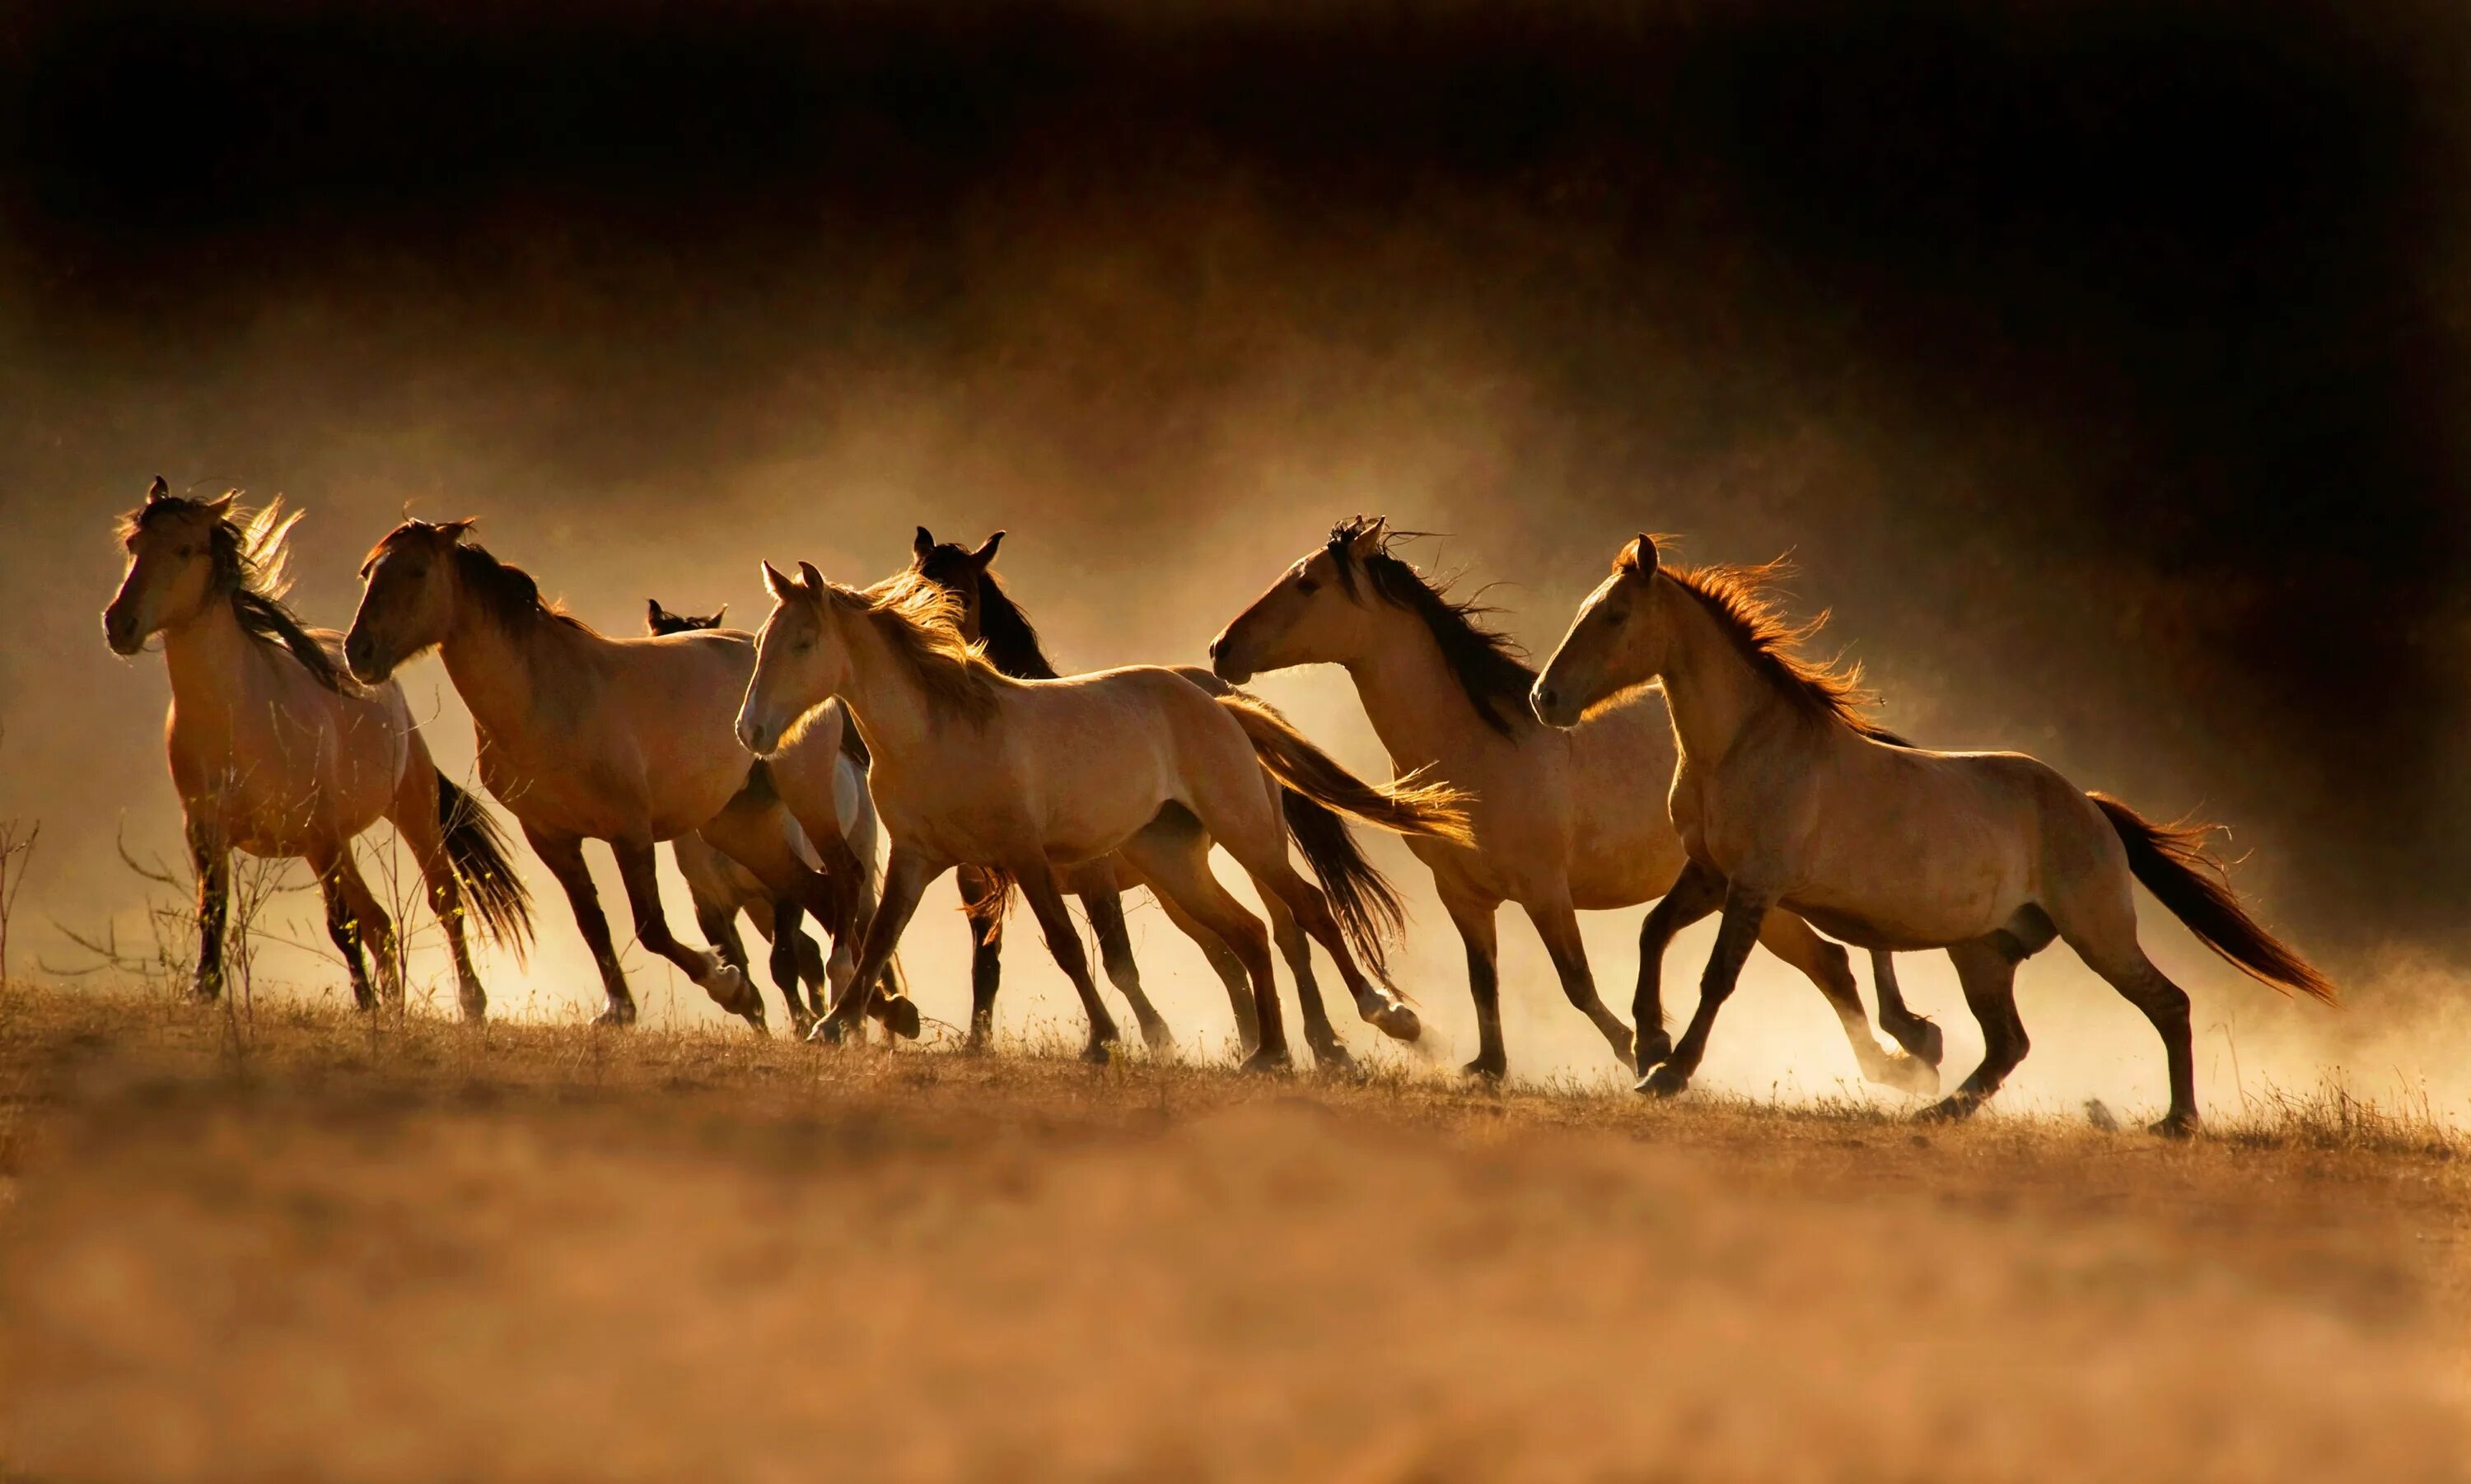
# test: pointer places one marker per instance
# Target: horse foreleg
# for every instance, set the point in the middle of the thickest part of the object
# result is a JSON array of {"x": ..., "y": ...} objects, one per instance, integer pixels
[
  {"x": 1104, "y": 900},
  {"x": 1558, "y": 924},
  {"x": 1045, "y": 899},
  {"x": 1295, "y": 949},
  {"x": 415, "y": 820},
  {"x": 563, "y": 855},
  {"x": 905, "y": 878},
  {"x": 1744, "y": 908},
  {"x": 715, "y": 975},
  {"x": 210, "y": 858},
  {"x": 1987, "y": 968},
  {"x": 343, "y": 927},
  {"x": 1698, "y": 891},
  {"x": 1476, "y": 927},
  {"x": 985, "y": 917}
]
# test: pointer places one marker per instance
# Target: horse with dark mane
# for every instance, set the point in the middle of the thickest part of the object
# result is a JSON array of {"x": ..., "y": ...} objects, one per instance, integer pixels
[
  {"x": 587, "y": 737},
  {"x": 1364, "y": 900},
  {"x": 1562, "y": 821},
  {"x": 277, "y": 752}
]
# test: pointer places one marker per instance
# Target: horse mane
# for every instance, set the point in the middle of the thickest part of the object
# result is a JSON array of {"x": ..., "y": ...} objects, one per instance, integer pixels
[
  {"x": 507, "y": 593},
  {"x": 1744, "y": 602},
  {"x": 920, "y": 621},
  {"x": 251, "y": 553},
  {"x": 1489, "y": 666}
]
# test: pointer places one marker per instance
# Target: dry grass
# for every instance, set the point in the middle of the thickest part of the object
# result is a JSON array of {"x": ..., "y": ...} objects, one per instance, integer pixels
[{"x": 327, "y": 1249}]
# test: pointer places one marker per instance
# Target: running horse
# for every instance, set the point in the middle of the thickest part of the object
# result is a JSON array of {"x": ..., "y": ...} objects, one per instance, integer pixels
[
  {"x": 276, "y": 752},
  {"x": 1367, "y": 905},
  {"x": 1562, "y": 821},
  {"x": 1043, "y": 778},
  {"x": 1785, "y": 796},
  {"x": 587, "y": 737}
]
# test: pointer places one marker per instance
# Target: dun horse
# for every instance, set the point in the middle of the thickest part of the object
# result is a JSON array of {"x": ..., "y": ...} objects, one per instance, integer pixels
[
  {"x": 1561, "y": 822},
  {"x": 586, "y": 736},
  {"x": 1041, "y": 777},
  {"x": 1367, "y": 905},
  {"x": 1785, "y": 796},
  {"x": 275, "y": 752}
]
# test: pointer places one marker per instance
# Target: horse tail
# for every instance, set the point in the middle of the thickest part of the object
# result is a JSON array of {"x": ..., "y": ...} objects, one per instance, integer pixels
[
  {"x": 493, "y": 894},
  {"x": 1365, "y": 903},
  {"x": 2173, "y": 862},
  {"x": 1402, "y": 808}
]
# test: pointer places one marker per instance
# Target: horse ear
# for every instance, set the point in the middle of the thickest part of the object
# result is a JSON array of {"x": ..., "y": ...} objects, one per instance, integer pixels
[
  {"x": 722, "y": 614},
  {"x": 986, "y": 551},
  {"x": 814, "y": 580},
  {"x": 219, "y": 509},
  {"x": 1370, "y": 537},
  {"x": 652, "y": 613},
  {"x": 1637, "y": 556},
  {"x": 777, "y": 583},
  {"x": 157, "y": 490},
  {"x": 455, "y": 531},
  {"x": 924, "y": 542}
]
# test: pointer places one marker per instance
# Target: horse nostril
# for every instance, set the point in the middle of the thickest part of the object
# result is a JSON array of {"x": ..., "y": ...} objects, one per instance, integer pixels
[{"x": 1545, "y": 698}]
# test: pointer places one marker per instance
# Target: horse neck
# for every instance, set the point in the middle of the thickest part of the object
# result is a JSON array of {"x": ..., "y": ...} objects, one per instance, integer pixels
[
  {"x": 1712, "y": 691},
  {"x": 885, "y": 702},
  {"x": 492, "y": 667},
  {"x": 210, "y": 658},
  {"x": 1411, "y": 697}
]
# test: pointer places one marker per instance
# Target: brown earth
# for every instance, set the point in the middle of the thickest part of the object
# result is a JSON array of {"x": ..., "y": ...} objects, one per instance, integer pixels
[{"x": 317, "y": 1248}]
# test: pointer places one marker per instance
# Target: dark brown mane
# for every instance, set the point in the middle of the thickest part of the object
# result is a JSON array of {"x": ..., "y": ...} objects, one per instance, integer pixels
[
  {"x": 507, "y": 593},
  {"x": 1490, "y": 667},
  {"x": 921, "y": 624},
  {"x": 1010, "y": 639},
  {"x": 248, "y": 572},
  {"x": 1745, "y": 605}
]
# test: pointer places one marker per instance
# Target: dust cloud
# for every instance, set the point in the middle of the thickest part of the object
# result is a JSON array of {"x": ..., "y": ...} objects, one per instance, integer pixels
[{"x": 2096, "y": 362}]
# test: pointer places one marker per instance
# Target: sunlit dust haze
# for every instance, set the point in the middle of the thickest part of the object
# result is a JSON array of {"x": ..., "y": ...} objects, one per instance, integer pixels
[{"x": 2101, "y": 364}]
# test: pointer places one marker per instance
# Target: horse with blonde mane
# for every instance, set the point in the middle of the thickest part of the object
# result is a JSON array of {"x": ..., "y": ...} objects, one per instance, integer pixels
[
  {"x": 1041, "y": 778},
  {"x": 1561, "y": 822},
  {"x": 587, "y": 737},
  {"x": 1367, "y": 905},
  {"x": 1786, "y": 796},
  {"x": 276, "y": 752}
]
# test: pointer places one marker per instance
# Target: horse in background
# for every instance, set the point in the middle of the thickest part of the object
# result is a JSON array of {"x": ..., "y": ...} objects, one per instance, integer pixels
[
  {"x": 582, "y": 737},
  {"x": 1364, "y": 900},
  {"x": 1045, "y": 778},
  {"x": 276, "y": 752},
  {"x": 1786, "y": 796},
  {"x": 1562, "y": 821}
]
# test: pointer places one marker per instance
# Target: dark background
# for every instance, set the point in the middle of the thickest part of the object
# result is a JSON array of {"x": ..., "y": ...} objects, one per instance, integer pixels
[{"x": 2100, "y": 361}]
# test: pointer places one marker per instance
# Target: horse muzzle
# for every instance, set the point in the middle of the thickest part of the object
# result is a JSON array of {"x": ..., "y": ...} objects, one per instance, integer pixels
[
  {"x": 361, "y": 657},
  {"x": 1553, "y": 707},
  {"x": 1226, "y": 664},
  {"x": 121, "y": 633}
]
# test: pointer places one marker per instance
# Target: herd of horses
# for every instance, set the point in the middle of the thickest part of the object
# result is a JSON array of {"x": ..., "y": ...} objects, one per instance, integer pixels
[{"x": 1678, "y": 748}]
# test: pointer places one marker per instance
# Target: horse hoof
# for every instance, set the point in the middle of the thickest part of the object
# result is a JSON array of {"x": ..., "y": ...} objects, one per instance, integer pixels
[
  {"x": 1160, "y": 1040},
  {"x": 827, "y": 1031},
  {"x": 1098, "y": 1053},
  {"x": 1948, "y": 1110},
  {"x": 1666, "y": 1081},
  {"x": 1909, "y": 1074},
  {"x": 1647, "y": 1052},
  {"x": 1330, "y": 1056},
  {"x": 1268, "y": 1062},
  {"x": 1397, "y": 1020},
  {"x": 618, "y": 1016},
  {"x": 2174, "y": 1127},
  {"x": 1485, "y": 1070},
  {"x": 900, "y": 1016}
]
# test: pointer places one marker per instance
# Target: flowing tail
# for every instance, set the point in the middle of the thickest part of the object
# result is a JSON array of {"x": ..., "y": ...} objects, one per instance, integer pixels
[
  {"x": 1365, "y": 903},
  {"x": 1402, "y": 808},
  {"x": 2173, "y": 862},
  {"x": 493, "y": 894}
]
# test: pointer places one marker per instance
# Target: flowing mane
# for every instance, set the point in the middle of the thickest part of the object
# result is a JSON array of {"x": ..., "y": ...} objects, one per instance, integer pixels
[
  {"x": 920, "y": 623},
  {"x": 1743, "y": 600},
  {"x": 506, "y": 592},
  {"x": 1490, "y": 667},
  {"x": 252, "y": 554}
]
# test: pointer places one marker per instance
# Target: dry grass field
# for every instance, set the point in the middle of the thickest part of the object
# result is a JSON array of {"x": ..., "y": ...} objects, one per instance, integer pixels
[{"x": 320, "y": 1248}]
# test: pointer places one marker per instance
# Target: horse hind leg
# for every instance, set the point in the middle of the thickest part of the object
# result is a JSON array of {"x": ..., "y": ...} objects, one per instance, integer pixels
[
  {"x": 1223, "y": 962},
  {"x": 1916, "y": 1032},
  {"x": 2104, "y": 935},
  {"x": 1829, "y": 966},
  {"x": 375, "y": 929},
  {"x": 1987, "y": 968},
  {"x": 985, "y": 917},
  {"x": 343, "y": 931},
  {"x": 1103, "y": 900},
  {"x": 415, "y": 821},
  {"x": 1296, "y": 950},
  {"x": 1173, "y": 855}
]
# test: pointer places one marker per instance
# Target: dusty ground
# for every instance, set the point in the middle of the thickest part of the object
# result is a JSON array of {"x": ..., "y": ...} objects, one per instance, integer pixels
[{"x": 316, "y": 1250}]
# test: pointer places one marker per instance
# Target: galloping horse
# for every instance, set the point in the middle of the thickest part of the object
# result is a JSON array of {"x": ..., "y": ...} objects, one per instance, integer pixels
[
  {"x": 274, "y": 751},
  {"x": 585, "y": 736},
  {"x": 1031, "y": 777},
  {"x": 1784, "y": 796},
  {"x": 1367, "y": 905},
  {"x": 1561, "y": 822}
]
